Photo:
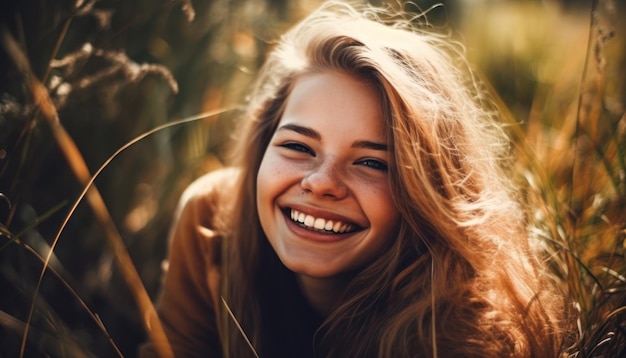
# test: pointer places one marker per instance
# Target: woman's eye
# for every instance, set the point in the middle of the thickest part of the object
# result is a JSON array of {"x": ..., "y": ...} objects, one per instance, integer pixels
[
  {"x": 374, "y": 164},
  {"x": 297, "y": 147}
]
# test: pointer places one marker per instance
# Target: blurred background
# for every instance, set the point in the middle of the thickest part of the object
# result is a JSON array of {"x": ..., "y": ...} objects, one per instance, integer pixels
[{"x": 115, "y": 69}]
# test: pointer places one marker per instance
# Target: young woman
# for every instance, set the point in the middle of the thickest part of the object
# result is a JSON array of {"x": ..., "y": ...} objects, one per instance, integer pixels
[{"x": 367, "y": 212}]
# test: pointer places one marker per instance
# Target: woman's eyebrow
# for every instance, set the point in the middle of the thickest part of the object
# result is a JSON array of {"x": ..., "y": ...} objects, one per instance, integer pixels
[
  {"x": 305, "y": 131},
  {"x": 312, "y": 133},
  {"x": 366, "y": 144}
]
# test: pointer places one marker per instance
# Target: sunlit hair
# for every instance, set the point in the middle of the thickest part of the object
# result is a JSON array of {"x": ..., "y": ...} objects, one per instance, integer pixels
[{"x": 460, "y": 278}]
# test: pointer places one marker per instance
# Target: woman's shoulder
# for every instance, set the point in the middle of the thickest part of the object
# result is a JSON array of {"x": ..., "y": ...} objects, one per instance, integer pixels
[
  {"x": 209, "y": 198},
  {"x": 212, "y": 185}
]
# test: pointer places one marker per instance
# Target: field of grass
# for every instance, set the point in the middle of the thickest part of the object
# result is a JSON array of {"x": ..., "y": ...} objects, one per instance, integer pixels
[{"x": 108, "y": 109}]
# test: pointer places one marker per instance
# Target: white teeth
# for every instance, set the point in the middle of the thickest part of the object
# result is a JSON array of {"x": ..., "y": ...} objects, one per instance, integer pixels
[
  {"x": 319, "y": 223},
  {"x": 309, "y": 220}
]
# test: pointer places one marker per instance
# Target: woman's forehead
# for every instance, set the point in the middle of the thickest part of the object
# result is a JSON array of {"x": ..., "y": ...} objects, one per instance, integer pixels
[{"x": 336, "y": 100}]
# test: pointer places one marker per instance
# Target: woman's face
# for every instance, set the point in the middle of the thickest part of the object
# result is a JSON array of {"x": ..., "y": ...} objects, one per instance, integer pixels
[{"x": 323, "y": 194}]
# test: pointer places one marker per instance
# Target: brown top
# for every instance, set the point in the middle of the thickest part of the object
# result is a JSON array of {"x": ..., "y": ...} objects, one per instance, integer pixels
[
  {"x": 189, "y": 306},
  {"x": 190, "y": 296}
]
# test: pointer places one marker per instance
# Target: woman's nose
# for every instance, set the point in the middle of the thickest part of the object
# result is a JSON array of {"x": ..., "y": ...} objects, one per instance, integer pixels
[{"x": 324, "y": 181}]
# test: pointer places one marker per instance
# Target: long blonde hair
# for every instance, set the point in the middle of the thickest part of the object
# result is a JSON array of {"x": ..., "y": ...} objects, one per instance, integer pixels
[{"x": 460, "y": 279}]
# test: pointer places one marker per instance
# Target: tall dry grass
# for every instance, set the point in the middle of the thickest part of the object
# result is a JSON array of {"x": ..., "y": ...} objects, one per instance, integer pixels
[
  {"x": 97, "y": 82},
  {"x": 82, "y": 83},
  {"x": 567, "y": 99}
]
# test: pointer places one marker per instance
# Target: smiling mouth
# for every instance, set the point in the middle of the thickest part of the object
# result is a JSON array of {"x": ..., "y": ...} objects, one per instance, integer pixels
[{"x": 321, "y": 225}]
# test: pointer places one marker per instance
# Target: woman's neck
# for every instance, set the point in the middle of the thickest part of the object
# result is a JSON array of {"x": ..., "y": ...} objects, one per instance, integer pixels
[{"x": 323, "y": 293}]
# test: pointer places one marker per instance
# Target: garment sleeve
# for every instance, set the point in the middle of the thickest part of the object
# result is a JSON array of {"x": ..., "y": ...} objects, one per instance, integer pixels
[{"x": 187, "y": 303}]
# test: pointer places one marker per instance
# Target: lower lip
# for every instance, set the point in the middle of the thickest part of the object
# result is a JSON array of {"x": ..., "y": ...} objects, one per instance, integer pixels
[{"x": 311, "y": 235}]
